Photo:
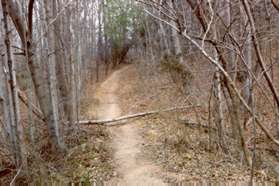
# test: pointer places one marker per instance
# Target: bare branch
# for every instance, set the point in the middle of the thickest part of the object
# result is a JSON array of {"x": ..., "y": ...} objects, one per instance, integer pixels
[{"x": 142, "y": 114}]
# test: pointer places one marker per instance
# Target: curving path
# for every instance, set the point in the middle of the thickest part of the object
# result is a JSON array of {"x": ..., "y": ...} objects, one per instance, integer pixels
[{"x": 132, "y": 168}]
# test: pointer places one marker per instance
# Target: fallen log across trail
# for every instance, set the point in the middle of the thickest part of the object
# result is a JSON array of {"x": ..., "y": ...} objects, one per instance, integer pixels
[{"x": 112, "y": 122}]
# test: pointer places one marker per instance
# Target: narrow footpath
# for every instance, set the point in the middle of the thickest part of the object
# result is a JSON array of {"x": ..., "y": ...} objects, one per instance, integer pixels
[{"x": 132, "y": 168}]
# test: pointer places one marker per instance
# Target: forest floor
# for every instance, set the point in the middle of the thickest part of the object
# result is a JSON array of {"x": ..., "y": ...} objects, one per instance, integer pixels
[
  {"x": 158, "y": 149},
  {"x": 153, "y": 150}
]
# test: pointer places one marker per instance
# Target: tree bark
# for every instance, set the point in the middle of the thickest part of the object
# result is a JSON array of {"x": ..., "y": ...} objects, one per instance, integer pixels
[
  {"x": 61, "y": 75},
  {"x": 38, "y": 80},
  {"x": 164, "y": 39},
  {"x": 14, "y": 121},
  {"x": 219, "y": 100},
  {"x": 176, "y": 40},
  {"x": 54, "y": 119}
]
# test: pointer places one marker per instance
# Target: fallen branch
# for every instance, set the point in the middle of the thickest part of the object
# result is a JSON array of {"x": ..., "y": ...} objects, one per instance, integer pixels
[
  {"x": 141, "y": 114},
  {"x": 34, "y": 108},
  {"x": 14, "y": 179}
]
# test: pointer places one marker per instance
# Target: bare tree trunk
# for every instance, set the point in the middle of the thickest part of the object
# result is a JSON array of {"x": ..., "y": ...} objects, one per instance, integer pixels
[
  {"x": 4, "y": 101},
  {"x": 247, "y": 91},
  {"x": 100, "y": 40},
  {"x": 73, "y": 91},
  {"x": 25, "y": 32},
  {"x": 219, "y": 101},
  {"x": 231, "y": 68},
  {"x": 30, "y": 115},
  {"x": 247, "y": 52},
  {"x": 54, "y": 119},
  {"x": 236, "y": 121},
  {"x": 61, "y": 75},
  {"x": 230, "y": 85},
  {"x": 77, "y": 83},
  {"x": 164, "y": 35},
  {"x": 16, "y": 133},
  {"x": 258, "y": 50},
  {"x": 175, "y": 36}
]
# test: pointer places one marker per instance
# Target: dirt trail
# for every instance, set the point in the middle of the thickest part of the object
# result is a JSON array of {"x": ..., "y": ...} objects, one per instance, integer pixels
[{"x": 132, "y": 168}]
